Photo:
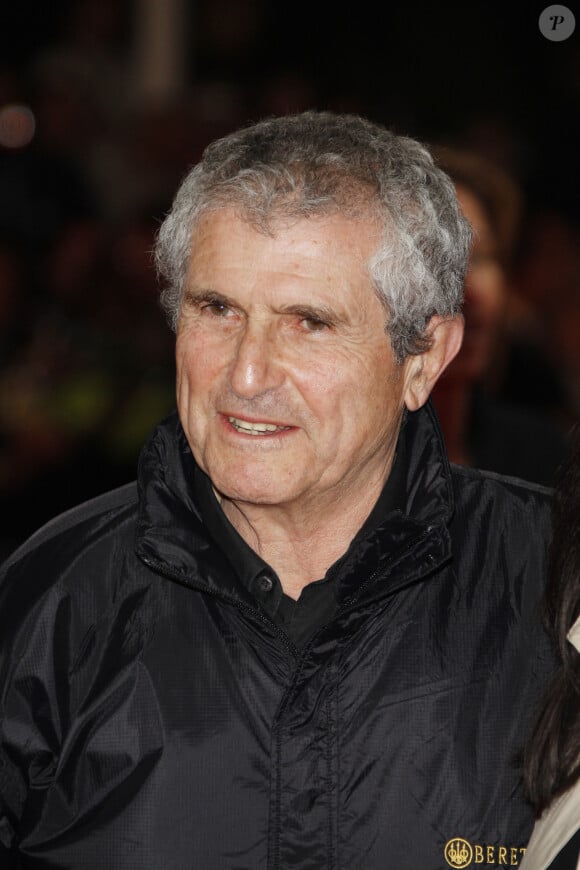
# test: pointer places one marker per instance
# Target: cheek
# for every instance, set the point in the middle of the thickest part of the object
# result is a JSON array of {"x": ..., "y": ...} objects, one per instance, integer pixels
[
  {"x": 193, "y": 386},
  {"x": 354, "y": 395},
  {"x": 197, "y": 359},
  {"x": 185, "y": 370}
]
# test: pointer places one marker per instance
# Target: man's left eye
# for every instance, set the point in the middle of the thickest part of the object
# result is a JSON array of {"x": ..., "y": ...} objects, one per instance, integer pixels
[{"x": 313, "y": 324}]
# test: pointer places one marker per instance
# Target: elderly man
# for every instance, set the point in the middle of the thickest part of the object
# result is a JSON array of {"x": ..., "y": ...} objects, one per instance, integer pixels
[{"x": 303, "y": 640}]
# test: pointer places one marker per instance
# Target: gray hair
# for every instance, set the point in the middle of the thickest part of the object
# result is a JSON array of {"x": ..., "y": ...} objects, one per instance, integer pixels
[{"x": 319, "y": 163}]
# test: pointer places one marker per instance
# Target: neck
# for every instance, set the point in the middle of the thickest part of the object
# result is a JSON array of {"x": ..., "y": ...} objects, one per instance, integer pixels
[{"x": 301, "y": 543}]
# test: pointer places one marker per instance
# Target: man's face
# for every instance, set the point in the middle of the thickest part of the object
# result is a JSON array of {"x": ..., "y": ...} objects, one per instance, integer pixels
[{"x": 287, "y": 387}]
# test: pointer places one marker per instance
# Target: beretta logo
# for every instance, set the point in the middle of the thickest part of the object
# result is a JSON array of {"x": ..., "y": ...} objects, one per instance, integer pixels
[{"x": 460, "y": 853}]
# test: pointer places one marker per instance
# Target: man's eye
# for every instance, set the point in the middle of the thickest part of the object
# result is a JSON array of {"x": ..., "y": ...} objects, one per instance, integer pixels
[
  {"x": 313, "y": 324},
  {"x": 216, "y": 309}
]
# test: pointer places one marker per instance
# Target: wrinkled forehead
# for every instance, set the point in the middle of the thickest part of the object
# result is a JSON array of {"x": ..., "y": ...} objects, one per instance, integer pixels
[
  {"x": 355, "y": 237},
  {"x": 349, "y": 233},
  {"x": 323, "y": 256}
]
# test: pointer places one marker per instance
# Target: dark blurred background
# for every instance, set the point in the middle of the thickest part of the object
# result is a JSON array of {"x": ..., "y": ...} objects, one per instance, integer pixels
[{"x": 104, "y": 104}]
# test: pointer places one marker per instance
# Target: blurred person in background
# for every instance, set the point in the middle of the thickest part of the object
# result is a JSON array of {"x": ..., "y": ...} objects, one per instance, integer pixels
[
  {"x": 480, "y": 429},
  {"x": 552, "y": 764},
  {"x": 548, "y": 277}
]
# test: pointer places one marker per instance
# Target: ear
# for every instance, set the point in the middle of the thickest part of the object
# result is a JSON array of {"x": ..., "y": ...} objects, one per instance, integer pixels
[{"x": 424, "y": 369}]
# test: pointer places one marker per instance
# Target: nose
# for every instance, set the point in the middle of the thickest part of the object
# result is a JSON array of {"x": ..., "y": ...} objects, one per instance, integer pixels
[{"x": 256, "y": 367}]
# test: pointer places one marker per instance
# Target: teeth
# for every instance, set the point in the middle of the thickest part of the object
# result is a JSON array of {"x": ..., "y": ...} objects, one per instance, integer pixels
[{"x": 255, "y": 428}]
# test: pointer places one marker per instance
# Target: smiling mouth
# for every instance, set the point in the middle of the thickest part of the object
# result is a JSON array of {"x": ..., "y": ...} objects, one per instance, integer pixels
[{"x": 256, "y": 428}]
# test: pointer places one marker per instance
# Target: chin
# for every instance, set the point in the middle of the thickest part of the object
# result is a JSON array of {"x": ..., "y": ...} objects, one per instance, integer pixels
[
  {"x": 246, "y": 486},
  {"x": 253, "y": 495}
]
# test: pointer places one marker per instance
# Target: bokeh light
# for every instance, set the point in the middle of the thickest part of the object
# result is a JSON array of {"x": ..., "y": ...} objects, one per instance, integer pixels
[{"x": 17, "y": 126}]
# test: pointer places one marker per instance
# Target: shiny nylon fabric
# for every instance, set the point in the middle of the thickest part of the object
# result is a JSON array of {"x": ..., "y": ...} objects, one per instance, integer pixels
[{"x": 153, "y": 717}]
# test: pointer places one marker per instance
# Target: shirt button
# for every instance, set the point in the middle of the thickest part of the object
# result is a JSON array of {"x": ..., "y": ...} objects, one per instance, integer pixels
[{"x": 264, "y": 583}]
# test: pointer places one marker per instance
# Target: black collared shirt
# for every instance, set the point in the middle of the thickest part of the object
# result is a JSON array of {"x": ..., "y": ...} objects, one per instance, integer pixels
[{"x": 317, "y": 602}]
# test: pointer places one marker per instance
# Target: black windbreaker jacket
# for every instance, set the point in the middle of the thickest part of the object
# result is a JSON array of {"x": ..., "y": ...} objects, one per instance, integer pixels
[{"x": 153, "y": 717}]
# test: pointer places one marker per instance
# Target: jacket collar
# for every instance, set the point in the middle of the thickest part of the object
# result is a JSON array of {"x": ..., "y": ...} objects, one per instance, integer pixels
[{"x": 407, "y": 545}]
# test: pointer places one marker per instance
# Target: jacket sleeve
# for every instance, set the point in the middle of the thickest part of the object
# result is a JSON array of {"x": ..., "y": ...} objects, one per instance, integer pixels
[
  {"x": 12, "y": 795},
  {"x": 27, "y": 722},
  {"x": 12, "y": 781}
]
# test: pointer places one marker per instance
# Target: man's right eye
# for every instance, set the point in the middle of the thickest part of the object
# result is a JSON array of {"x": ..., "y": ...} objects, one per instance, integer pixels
[{"x": 216, "y": 309}]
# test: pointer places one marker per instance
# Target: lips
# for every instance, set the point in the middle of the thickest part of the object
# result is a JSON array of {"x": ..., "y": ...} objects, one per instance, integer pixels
[{"x": 257, "y": 428}]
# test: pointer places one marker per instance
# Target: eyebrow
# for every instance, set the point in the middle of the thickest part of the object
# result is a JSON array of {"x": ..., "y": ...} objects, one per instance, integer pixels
[
  {"x": 315, "y": 312},
  {"x": 196, "y": 295}
]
